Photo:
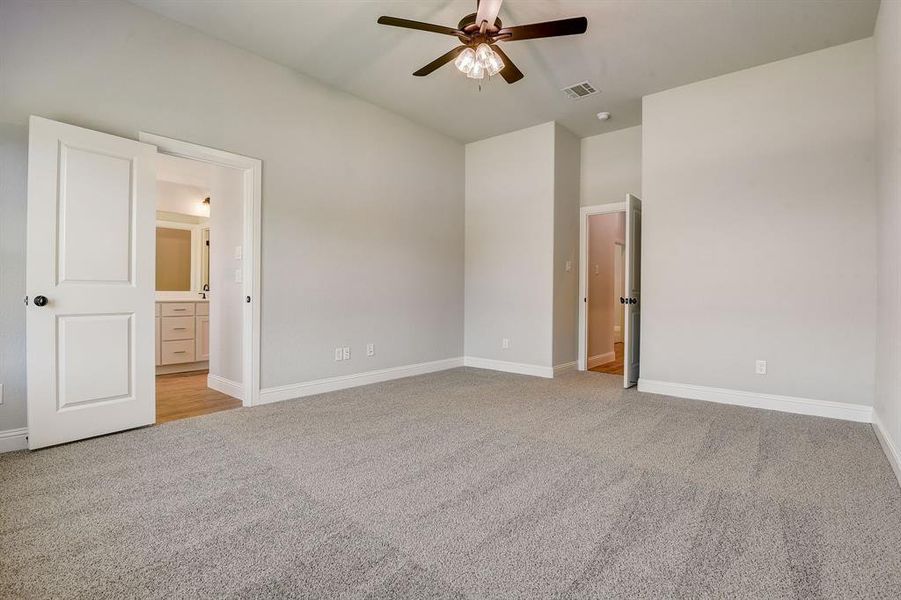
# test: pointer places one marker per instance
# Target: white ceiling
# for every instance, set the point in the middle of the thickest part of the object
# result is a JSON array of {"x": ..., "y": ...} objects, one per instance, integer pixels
[{"x": 632, "y": 48}]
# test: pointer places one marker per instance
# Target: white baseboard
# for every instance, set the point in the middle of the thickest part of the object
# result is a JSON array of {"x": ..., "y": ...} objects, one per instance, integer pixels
[
  {"x": 563, "y": 367},
  {"x": 14, "y": 439},
  {"x": 226, "y": 386},
  {"x": 892, "y": 451},
  {"x": 508, "y": 367},
  {"x": 332, "y": 384},
  {"x": 601, "y": 359},
  {"x": 801, "y": 406}
]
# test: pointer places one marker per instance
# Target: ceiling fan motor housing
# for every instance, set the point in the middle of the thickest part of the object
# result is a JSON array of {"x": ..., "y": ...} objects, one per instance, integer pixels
[{"x": 469, "y": 26}]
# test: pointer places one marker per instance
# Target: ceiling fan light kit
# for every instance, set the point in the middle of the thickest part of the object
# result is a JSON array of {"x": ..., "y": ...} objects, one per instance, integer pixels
[
  {"x": 477, "y": 63},
  {"x": 480, "y": 33}
]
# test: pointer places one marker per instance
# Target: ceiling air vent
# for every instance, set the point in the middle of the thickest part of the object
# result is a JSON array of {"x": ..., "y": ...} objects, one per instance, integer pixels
[{"x": 579, "y": 90}]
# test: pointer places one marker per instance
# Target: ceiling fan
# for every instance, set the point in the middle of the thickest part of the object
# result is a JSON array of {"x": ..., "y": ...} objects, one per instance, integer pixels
[{"x": 480, "y": 33}]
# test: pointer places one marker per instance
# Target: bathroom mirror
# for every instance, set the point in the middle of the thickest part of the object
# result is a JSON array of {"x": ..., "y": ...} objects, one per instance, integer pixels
[
  {"x": 173, "y": 259},
  {"x": 182, "y": 255}
]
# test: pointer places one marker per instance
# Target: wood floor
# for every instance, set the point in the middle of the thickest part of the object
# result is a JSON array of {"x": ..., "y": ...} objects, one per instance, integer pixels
[
  {"x": 615, "y": 367},
  {"x": 184, "y": 395}
]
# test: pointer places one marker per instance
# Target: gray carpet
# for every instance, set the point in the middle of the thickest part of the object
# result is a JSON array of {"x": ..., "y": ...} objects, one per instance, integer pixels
[{"x": 461, "y": 484}]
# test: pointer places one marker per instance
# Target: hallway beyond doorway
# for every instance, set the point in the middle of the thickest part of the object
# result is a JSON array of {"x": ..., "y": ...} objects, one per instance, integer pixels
[{"x": 615, "y": 367}]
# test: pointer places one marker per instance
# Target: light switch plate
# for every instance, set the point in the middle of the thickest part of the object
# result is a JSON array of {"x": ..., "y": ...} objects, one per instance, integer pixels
[
  {"x": 370, "y": 349},
  {"x": 569, "y": 265},
  {"x": 505, "y": 343},
  {"x": 239, "y": 276},
  {"x": 238, "y": 253},
  {"x": 339, "y": 354},
  {"x": 346, "y": 352},
  {"x": 760, "y": 367}
]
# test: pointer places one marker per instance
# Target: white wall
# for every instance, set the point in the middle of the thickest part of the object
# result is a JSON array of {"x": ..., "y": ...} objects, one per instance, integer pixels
[
  {"x": 510, "y": 246},
  {"x": 567, "y": 153},
  {"x": 226, "y": 295},
  {"x": 522, "y": 226},
  {"x": 13, "y": 163},
  {"x": 362, "y": 209},
  {"x": 611, "y": 166},
  {"x": 888, "y": 193},
  {"x": 603, "y": 297},
  {"x": 759, "y": 229}
]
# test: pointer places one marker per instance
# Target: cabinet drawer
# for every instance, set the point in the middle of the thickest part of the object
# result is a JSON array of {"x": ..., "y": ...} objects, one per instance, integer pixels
[
  {"x": 178, "y": 309},
  {"x": 181, "y": 351},
  {"x": 177, "y": 328},
  {"x": 202, "y": 308}
]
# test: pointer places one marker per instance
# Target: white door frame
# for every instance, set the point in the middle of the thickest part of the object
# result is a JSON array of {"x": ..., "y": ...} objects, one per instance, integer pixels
[
  {"x": 584, "y": 213},
  {"x": 253, "y": 170}
]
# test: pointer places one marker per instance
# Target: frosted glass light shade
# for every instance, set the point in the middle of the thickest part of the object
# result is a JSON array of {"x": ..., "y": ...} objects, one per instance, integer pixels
[
  {"x": 483, "y": 54},
  {"x": 495, "y": 64},
  {"x": 466, "y": 60},
  {"x": 477, "y": 72}
]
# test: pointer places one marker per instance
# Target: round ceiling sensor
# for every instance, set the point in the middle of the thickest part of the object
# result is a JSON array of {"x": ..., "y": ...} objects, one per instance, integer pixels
[{"x": 603, "y": 116}]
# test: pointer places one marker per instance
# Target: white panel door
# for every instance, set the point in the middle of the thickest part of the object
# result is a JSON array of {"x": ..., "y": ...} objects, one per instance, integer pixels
[
  {"x": 90, "y": 283},
  {"x": 632, "y": 333}
]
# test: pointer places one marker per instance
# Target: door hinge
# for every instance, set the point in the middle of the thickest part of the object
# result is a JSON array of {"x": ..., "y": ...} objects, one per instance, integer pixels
[
  {"x": 248, "y": 299},
  {"x": 26, "y": 300}
]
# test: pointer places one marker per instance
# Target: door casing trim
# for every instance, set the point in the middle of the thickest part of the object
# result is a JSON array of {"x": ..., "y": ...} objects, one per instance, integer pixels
[{"x": 251, "y": 265}]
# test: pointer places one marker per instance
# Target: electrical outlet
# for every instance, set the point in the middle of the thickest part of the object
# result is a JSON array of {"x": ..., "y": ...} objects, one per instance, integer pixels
[
  {"x": 339, "y": 354},
  {"x": 346, "y": 352},
  {"x": 505, "y": 343},
  {"x": 370, "y": 349},
  {"x": 760, "y": 367}
]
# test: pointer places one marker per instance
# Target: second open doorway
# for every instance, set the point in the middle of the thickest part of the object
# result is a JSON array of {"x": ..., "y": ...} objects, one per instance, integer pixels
[{"x": 610, "y": 289}]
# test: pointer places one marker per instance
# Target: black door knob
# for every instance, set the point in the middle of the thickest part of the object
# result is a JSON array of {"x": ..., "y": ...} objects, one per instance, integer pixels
[
  {"x": 622, "y": 300},
  {"x": 40, "y": 300}
]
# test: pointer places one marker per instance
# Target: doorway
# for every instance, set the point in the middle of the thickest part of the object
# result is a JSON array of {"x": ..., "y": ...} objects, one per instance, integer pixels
[
  {"x": 605, "y": 254},
  {"x": 93, "y": 309},
  {"x": 235, "y": 184},
  {"x": 198, "y": 295},
  {"x": 610, "y": 289}
]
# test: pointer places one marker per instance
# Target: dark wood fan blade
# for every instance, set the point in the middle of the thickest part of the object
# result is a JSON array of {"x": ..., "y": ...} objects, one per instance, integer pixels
[
  {"x": 439, "y": 62},
  {"x": 407, "y": 24},
  {"x": 510, "y": 72},
  {"x": 573, "y": 26}
]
